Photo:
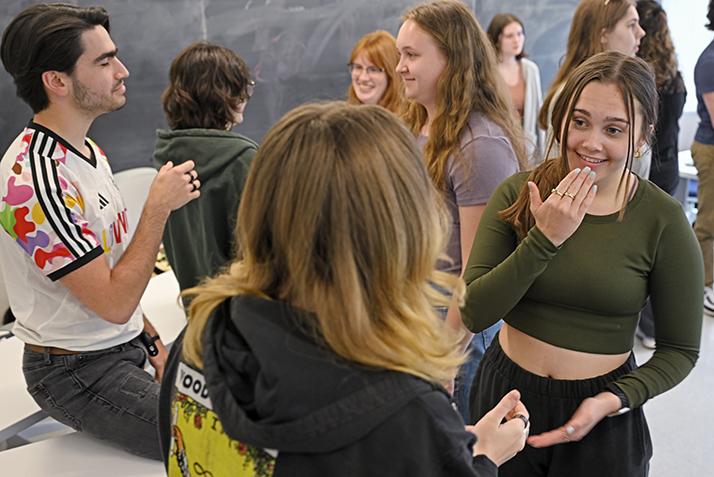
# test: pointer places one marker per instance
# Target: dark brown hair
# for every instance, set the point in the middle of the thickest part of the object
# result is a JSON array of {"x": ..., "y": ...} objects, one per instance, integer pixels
[
  {"x": 656, "y": 47},
  {"x": 46, "y": 37},
  {"x": 635, "y": 79},
  {"x": 496, "y": 27},
  {"x": 206, "y": 84}
]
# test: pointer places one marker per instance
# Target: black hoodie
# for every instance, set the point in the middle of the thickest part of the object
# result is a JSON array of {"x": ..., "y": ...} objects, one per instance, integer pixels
[{"x": 275, "y": 392}]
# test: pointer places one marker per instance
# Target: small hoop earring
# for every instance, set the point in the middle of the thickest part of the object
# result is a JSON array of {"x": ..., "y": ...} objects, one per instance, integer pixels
[{"x": 637, "y": 154}]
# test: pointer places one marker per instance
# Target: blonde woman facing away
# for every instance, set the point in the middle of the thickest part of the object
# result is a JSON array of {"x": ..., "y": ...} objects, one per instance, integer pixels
[{"x": 319, "y": 352}]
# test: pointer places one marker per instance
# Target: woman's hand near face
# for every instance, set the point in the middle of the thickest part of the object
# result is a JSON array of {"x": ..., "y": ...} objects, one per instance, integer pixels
[
  {"x": 501, "y": 441},
  {"x": 560, "y": 215}
]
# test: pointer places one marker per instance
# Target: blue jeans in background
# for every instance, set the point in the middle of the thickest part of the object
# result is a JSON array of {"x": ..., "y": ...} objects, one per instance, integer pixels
[
  {"x": 479, "y": 343},
  {"x": 462, "y": 385}
]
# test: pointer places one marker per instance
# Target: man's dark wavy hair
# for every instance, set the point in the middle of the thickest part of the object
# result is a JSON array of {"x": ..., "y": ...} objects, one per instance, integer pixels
[{"x": 46, "y": 37}]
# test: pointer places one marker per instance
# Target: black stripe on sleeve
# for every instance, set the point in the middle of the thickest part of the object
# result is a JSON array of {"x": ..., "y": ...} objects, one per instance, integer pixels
[
  {"x": 83, "y": 260},
  {"x": 44, "y": 177}
]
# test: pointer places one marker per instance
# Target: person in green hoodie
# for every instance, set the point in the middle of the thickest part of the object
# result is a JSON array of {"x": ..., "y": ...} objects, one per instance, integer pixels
[{"x": 208, "y": 91}]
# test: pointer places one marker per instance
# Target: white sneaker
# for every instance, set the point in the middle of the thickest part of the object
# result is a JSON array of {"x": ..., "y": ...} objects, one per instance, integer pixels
[
  {"x": 647, "y": 341},
  {"x": 709, "y": 301}
]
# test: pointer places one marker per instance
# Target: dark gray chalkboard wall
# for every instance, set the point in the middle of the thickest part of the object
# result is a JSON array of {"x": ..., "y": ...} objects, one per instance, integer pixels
[{"x": 296, "y": 49}]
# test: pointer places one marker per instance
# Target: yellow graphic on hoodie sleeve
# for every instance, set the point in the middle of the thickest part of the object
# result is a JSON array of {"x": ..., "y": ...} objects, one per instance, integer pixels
[{"x": 199, "y": 446}]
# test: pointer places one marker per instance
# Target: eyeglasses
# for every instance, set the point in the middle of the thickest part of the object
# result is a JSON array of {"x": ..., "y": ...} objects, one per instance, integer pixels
[
  {"x": 248, "y": 91},
  {"x": 356, "y": 69}
]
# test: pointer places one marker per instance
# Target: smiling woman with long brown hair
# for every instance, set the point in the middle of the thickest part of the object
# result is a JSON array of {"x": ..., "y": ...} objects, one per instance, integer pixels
[
  {"x": 465, "y": 123},
  {"x": 567, "y": 256},
  {"x": 597, "y": 26}
]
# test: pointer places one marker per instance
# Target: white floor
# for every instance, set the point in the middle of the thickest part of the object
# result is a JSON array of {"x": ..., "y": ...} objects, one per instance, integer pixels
[{"x": 682, "y": 420}]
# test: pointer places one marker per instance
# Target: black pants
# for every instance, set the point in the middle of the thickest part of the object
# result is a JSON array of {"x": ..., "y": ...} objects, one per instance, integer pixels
[{"x": 617, "y": 446}]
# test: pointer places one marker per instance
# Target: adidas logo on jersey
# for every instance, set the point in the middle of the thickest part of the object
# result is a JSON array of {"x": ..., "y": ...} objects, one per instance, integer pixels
[{"x": 102, "y": 202}]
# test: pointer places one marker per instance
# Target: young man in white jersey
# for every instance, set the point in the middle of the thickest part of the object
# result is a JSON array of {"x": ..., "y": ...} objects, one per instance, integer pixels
[{"x": 73, "y": 281}]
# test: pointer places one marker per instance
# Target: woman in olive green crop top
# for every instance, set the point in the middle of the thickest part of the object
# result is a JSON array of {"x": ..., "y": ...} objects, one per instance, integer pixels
[{"x": 567, "y": 256}]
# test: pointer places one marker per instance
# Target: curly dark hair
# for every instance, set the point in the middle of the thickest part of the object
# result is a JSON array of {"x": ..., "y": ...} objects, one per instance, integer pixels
[
  {"x": 656, "y": 47},
  {"x": 207, "y": 82}
]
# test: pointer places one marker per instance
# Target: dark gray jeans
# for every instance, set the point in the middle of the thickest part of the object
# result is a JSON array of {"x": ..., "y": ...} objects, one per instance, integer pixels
[{"x": 105, "y": 394}]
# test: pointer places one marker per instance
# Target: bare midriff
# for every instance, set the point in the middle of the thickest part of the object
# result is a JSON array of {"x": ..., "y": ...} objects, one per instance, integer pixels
[{"x": 543, "y": 359}]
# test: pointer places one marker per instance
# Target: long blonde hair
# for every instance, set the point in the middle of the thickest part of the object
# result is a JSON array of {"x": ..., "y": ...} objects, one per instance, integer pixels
[
  {"x": 340, "y": 217},
  {"x": 380, "y": 47},
  {"x": 471, "y": 82},
  {"x": 589, "y": 20}
]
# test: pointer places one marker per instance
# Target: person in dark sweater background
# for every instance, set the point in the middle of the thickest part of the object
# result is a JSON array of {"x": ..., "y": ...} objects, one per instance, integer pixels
[
  {"x": 657, "y": 49},
  {"x": 208, "y": 91}
]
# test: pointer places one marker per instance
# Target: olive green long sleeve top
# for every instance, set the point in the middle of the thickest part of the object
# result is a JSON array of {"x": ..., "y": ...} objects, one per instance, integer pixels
[{"x": 586, "y": 295}]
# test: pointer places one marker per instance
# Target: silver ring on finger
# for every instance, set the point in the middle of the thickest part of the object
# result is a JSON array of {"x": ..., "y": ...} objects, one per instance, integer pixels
[{"x": 523, "y": 418}]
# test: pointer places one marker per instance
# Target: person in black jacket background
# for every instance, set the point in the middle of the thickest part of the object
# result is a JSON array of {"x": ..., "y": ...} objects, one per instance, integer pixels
[{"x": 656, "y": 48}]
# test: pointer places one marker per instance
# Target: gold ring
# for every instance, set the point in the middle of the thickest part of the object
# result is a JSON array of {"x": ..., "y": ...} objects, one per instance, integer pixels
[
  {"x": 556, "y": 191},
  {"x": 569, "y": 195}
]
